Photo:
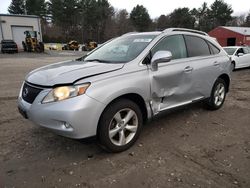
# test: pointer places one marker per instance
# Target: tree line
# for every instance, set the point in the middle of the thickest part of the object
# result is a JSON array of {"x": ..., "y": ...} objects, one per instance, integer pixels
[{"x": 98, "y": 20}]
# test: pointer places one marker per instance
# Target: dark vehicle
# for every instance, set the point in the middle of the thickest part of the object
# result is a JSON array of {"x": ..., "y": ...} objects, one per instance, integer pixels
[{"x": 8, "y": 46}]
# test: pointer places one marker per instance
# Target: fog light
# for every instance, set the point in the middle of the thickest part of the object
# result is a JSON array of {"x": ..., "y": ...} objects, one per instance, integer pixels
[{"x": 66, "y": 125}]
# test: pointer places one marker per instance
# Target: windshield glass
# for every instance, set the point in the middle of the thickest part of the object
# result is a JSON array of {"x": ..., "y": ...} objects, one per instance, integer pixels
[
  {"x": 8, "y": 42},
  {"x": 230, "y": 51},
  {"x": 121, "y": 50}
]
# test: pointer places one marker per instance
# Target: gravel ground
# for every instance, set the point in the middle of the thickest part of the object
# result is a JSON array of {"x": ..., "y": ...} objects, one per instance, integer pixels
[{"x": 188, "y": 147}]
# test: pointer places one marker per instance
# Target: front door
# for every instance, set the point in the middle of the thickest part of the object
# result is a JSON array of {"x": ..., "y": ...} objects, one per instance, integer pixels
[{"x": 171, "y": 83}]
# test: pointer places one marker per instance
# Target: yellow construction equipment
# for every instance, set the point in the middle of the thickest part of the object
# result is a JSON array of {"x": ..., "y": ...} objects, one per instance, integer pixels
[
  {"x": 90, "y": 45},
  {"x": 72, "y": 45},
  {"x": 31, "y": 43}
]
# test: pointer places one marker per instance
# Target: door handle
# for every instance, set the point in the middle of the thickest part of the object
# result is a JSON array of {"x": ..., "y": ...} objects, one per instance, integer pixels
[
  {"x": 216, "y": 63},
  {"x": 188, "y": 69}
]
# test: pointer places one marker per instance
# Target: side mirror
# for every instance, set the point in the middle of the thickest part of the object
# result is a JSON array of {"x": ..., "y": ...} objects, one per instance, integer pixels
[
  {"x": 240, "y": 54},
  {"x": 160, "y": 57}
]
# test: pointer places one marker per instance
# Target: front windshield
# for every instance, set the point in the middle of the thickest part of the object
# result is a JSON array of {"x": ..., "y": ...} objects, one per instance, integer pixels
[
  {"x": 122, "y": 49},
  {"x": 230, "y": 51}
]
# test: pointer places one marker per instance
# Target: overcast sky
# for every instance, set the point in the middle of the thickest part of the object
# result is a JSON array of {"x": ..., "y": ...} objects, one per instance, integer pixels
[{"x": 158, "y": 7}]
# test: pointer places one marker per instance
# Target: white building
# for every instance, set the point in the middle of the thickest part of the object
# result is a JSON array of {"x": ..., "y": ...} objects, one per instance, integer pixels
[{"x": 13, "y": 27}]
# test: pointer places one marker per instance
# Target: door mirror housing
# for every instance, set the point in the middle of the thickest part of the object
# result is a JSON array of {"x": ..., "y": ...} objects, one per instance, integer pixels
[
  {"x": 160, "y": 57},
  {"x": 240, "y": 54}
]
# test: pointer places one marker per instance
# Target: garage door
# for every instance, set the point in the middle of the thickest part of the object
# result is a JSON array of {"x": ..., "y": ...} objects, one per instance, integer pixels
[{"x": 18, "y": 34}]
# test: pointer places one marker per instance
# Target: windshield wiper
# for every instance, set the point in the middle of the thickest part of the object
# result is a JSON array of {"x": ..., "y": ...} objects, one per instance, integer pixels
[{"x": 98, "y": 60}]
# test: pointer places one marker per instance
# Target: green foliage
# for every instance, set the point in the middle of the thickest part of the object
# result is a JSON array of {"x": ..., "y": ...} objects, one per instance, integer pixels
[
  {"x": 201, "y": 16},
  {"x": 16, "y": 7},
  {"x": 247, "y": 21},
  {"x": 35, "y": 7},
  {"x": 182, "y": 17},
  {"x": 85, "y": 20},
  {"x": 123, "y": 23},
  {"x": 220, "y": 13},
  {"x": 140, "y": 18},
  {"x": 163, "y": 22}
]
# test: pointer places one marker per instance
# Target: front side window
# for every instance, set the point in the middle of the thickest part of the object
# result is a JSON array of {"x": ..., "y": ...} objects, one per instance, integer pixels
[
  {"x": 175, "y": 44},
  {"x": 196, "y": 46},
  {"x": 240, "y": 51},
  {"x": 121, "y": 50}
]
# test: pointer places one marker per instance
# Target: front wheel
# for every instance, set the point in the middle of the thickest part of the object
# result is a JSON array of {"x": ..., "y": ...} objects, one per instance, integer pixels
[
  {"x": 233, "y": 66},
  {"x": 119, "y": 126},
  {"x": 218, "y": 95}
]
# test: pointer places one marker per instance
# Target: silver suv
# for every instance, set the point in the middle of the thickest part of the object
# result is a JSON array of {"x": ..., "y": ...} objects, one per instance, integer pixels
[{"x": 117, "y": 87}]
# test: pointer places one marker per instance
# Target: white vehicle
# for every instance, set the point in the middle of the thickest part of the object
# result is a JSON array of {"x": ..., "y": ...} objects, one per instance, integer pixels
[{"x": 240, "y": 56}]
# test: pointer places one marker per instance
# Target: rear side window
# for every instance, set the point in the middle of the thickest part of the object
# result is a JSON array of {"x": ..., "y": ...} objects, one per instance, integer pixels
[
  {"x": 196, "y": 46},
  {"x": 246, "y": 51},
  {"x": 213, "y": 48},
  {"x": 175, "y": 44}
]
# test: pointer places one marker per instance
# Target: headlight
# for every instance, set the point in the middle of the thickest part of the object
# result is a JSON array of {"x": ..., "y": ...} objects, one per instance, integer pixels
[{"x": 65, "y": 92}]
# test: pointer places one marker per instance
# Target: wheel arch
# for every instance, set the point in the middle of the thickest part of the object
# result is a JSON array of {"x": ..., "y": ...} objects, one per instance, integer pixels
[
  {"x": 134, "y": 97},
  {"x": 226, "y": 78},
  {"x": 234, "y": 64}
]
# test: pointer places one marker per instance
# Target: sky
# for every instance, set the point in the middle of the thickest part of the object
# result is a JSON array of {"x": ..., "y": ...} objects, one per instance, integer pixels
[{"x": 158, "y": 7}]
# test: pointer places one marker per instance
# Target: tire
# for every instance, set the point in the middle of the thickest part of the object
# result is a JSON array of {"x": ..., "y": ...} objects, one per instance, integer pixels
[
  {"x": 114, "y": 133},
  {"x": 233, "y": 66},
  {"x": 218, "y": 95}
]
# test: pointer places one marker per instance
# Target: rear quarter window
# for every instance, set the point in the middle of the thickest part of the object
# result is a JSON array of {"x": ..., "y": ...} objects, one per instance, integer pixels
[
  {"x": 246, "y": 50},
  {"x": 213, "y": 48},
  {"x": 196, "y": 46}
]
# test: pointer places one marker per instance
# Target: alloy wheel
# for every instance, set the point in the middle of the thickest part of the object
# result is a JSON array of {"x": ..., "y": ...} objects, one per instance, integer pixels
[
  {"x": 123, "y": 127},
  {"x": 219, "y": 94}
]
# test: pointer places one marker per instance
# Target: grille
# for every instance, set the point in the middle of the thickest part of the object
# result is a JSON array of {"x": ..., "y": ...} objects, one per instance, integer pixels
[{"x": 29, "y": 93}]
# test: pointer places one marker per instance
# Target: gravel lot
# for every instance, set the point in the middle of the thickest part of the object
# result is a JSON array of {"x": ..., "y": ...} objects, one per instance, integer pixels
[{"x": 189, "y": 147}]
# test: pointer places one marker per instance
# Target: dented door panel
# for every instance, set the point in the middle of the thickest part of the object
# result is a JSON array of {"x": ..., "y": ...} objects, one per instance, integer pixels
[{"x": 170, "y": 85}]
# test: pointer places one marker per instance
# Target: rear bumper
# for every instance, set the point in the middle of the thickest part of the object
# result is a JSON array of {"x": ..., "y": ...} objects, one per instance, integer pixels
[{"x": 75, "y": 118}]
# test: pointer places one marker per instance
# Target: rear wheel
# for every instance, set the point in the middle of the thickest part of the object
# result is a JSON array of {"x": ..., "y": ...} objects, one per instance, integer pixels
[
  {"x": 218, "y": 95},
  {"x": 120, "y": 126}
]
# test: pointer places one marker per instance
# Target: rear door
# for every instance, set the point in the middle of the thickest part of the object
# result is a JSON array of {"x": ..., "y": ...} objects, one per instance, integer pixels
[
  {"x": 206, "y": 65},
  {"x": 246, "y": 57}
]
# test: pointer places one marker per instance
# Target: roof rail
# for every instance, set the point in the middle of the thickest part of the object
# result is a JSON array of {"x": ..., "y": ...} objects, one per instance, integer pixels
[
  {"x": 129, "y": 33},
  {"x": 185, "y": 30}
]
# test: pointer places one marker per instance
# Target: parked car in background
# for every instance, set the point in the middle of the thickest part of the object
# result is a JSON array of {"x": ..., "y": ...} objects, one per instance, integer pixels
[
  {"x": 8, "y": 46},
  {"x": 118, "y": 86},
  {"x": 240, "y": 56}
]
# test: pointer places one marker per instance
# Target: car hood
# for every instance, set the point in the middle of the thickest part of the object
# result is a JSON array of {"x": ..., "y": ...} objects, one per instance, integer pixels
[{"x": 68, "y": 72}]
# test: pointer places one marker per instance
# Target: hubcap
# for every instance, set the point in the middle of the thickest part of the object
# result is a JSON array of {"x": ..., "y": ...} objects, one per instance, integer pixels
[
  {"x": 219, "y": 94},
  {"x": 123, "y": 127}
]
